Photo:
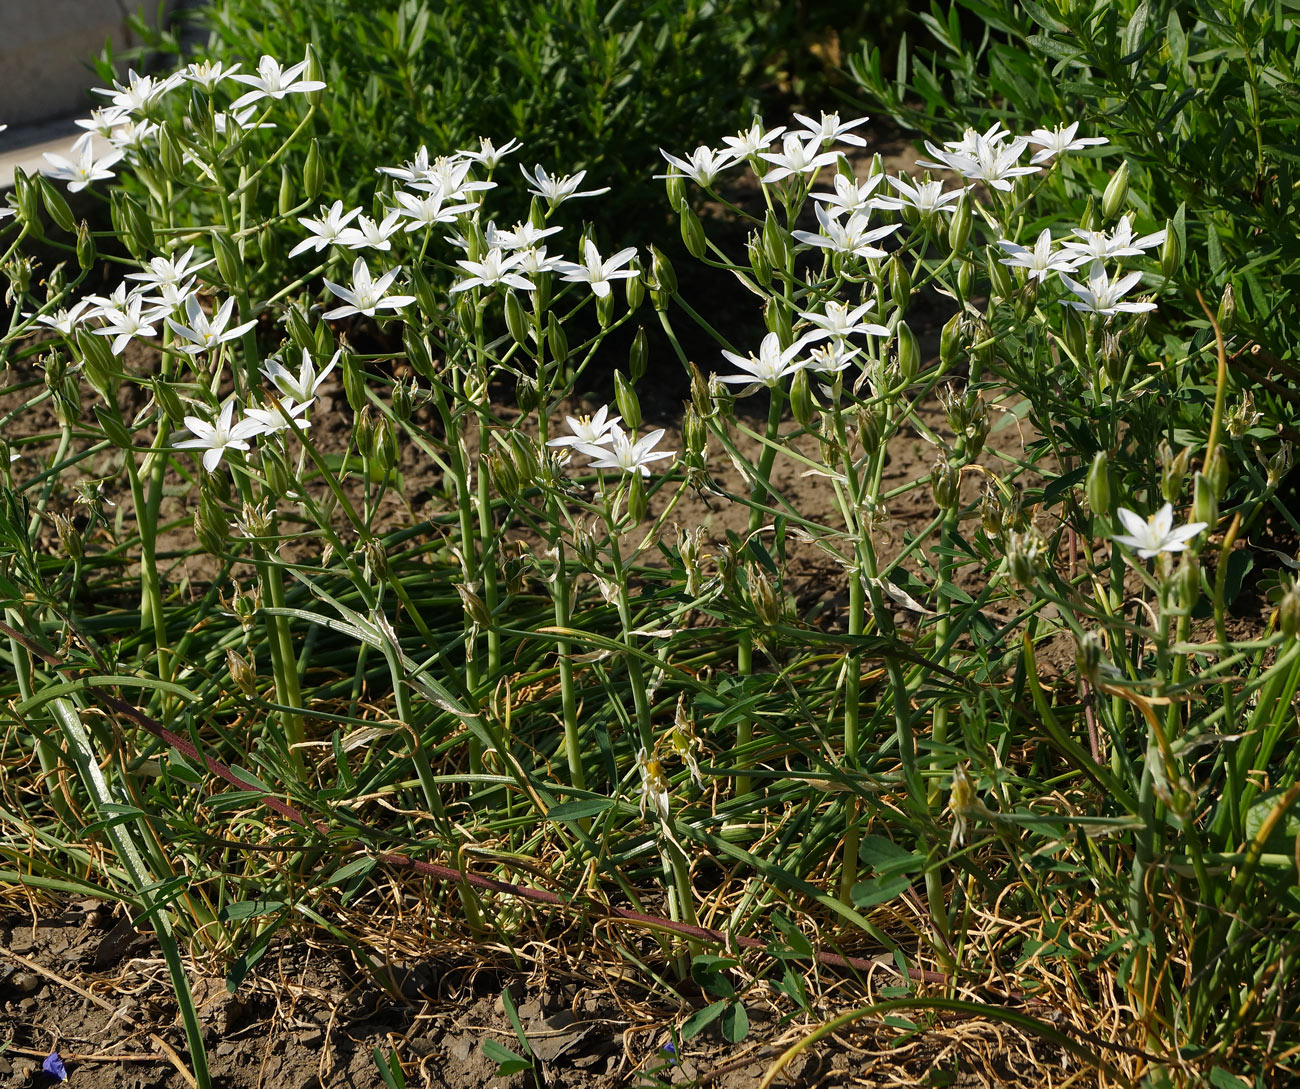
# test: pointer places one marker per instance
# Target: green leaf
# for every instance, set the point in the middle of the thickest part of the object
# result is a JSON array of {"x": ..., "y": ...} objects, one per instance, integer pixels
[
  {"x": 702, "y": 1019},
  {"x": 1221, "y": 1079},
  {"x": 884, "y": 856},
  {"x": 879, "y": 890},
  {"x": 579, "y": 810},
  {"x": 351, "y": 870},
  {"x": 735, "y": 1022},
  {"x": 508, "y": 1062},
  {"x": 248, "y": 909}
]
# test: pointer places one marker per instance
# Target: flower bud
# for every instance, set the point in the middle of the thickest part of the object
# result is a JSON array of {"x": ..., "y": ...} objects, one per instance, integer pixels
[
  {"x": 364, "y": 431},
  {"x": 242, "y": 672},
  {"x": 692, "y": 231},
  {"x": 776, "y": 242},
  {"x": 945, "y": 483},
  {"x": 69, "y": 537},
  {"x": 524, "y": 456},
  {"x": 695, "y": 435},
  {"x": 354, "y": 382},
  {"x": 167, "y": 400},
  {"x": 1090, "y": 652},
  {"x": 900, "y": 281},
  {"x": 605, "y": 309},
  {"x": 1173, "y": 470},
  {"x": 315, "y": 74},
  {"x": 527, "y": 394},
  {"x": 700, "y": 398},
  {"x": 385, "y": 444},
  {"x": 98, "y": 363},
  {"x": 429, "y": 300},
  {"x": 210, "y": 524},
  {"x": 1074, "y": 334},
  {"x": 634, "y": 287},
  {"x": 1003, "y": 283},
  {"x": 170, "y": 154},
  {"x": 1205, "y": 507},
  {"x": 504, "y": 478},
  {"x": 1088, "y": 221},
  {"x": 1115, "y": 197},
  {"x": 1216, "y": 472},
  {"x": 1288, "y": 612},
  {"x": 675, "y": 183},
  {"x": 132, "y": 224},
  {"x": 417, "y": 352},
  {"x": 777, "y": 319},
  {"x": 56, "y": 205},
  {"x": 959, "y": 226},
  {"x": 965, "y": 278},
  {"x": 758, "y": 262},
  {"x": 663, "y": 285},
  {"x": 556, "y": 340},
  {"x": 313, "y": 171},
  {"x": 950, "y": 340},
  {"x": 1227, "y": 315},
  {"x": 721, "y": 397},
  {"x": 802, "y": 405},
  {"x": 1097, "y": 488},
  {"x": 27, "y": 203},
  {"x": 1188, "y": 579},
  {"x": 516, "y": 320},
  {"x": 629, "y": 406},
  {"x": 636, "y": 499},
  {"x": 228, "y": 261},
  {"x": 638, "y": 356},
  {"x": 1279, "y": 464},
  {"x": 113, "y": 427},
  {"x": 909, "y": 352},
  {"x": 85, "y": 247},
  {"x": 1171, "y": 251}
]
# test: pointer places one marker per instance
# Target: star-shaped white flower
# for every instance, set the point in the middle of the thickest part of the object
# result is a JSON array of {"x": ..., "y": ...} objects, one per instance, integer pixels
[
  {"x": 169, "y": 270},
  {"x": 271, "y": 420},
  {"x": 830, "y": 128},
  {"x": 302, "y": 386},
  {"x": 495, "y": 268},
  {"x": 369, "y": 235},
  {"x": 849, "y": 196},
  {"x": 214, "y": 439},
  {"x": 131, "y": 321},
  {"x": 555, "y": 189},
  {"x": 797, "y": 156},
  {"x": 367, "y": 295},
  {"x": 747, "y": 143},
  {"x": 596, "y": 272},
  {"x": 522, "y": 236},
  {"x": 770, "y": 365},
  {"x": 275, "y": 82},
  {"x": 326, "y": 230},
  {"x": 852, "y": 236},
  {"x": 926, "y": 197},
  {"x": 425, "y": 211},
  {"x": 594, "y": 430},
  {"x": 1057, "y": 141},
  {"x": 1040, "y": 259},
  {"x": 84, "y": 167},
  {"x": 702, "y": 165},
  {"x": 1103, "y": 295},
  {"x": 488, "y": 154},
  {"x": 204, "y": 333},
  {"x": 1151, "y": 536},
  {"x": 839, "y": 322},
  {"x": 207, "y": 74},
  {"x": 139, "y": 92},
  {"x": 1099, "y": 245},
  {"x": 625, "y": 453}
]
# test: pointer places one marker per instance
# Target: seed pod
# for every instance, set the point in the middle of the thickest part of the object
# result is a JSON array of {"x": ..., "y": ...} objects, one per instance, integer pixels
[
  {"x": 516, "y": 320},
  {"x": 909, "y": 352},
  {"x": 1097, "y": 487},
  {"x": 700, "y": 398},
  {"x": 629, "y": 405},
  {"x": 1205, "y": 507},
  {"x": 1173, "y": 470},
  {"x": 695, "y": 435},
  {"x": 1279, "y": 464},
  {"x": 802, "y": 405},
  {"x": 313, "y": 171},
  {"x": 242, "y": 672},
  {"x": 556, "y": 340},
  {"x": 763, "y": 596},
  {"x": 85, "y": 247},
  {"x": 692, "y": 231},
  {"x": 210, "y": 525},
  {"x": 636, "y": 498},
  {"x": 527, "y": 395},
  {"x": 56, "y": 205},
  {"x": 722, "y": 398},
  {"x": 992, "y": 514},
  {"x": 1089, "y": 654},
  {"x": 504, "y": 478},
  {"x": 638, "y": 356},
  {"x": 1216, "y": 472},
  {"x": 1116, "y": 194},
  {"x": 945, "y": 483},
  {"x": 959, "y": 226},
  {"x": 1171, "y": 251},
  {"x": 1023, "y": 554}
]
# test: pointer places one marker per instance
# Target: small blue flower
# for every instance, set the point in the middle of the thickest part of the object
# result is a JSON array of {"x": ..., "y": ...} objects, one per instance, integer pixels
[
  {"x": 53, "y": 1065},
  {"x": 670, "y": 1053}
]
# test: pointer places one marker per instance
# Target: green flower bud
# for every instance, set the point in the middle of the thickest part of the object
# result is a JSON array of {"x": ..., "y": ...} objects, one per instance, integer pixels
[
  {"x": 131, "y": 224},
  {"x": 364, "y": 431},
  {"x": 776, "y": 242},
  {"x": 504, "y": 478},
  {"x": 900, "y": 281},
  {"x": 999, "y": 274},
  {"x": 675, "y": 183},
  {"x": 636, "y": 499},
  {"x": 634, "y": 287},
  {"x": 228, "y": 261},
  {"x": 638, "y": 356},
  {"x": 802, "y": 405},
  {"x": 1173, "y": 470},
  {"x": 777, "y": 319},
  {"x": 242, "y": 672},
  {"x": 429, "y": 300},
  {"x": 1188, "y": 579},
  {"x": 403, "y": 399},
  {"x": 56, "y": 205},
  {"x": 285, "y": 201},
  {"x": 1171, "y": 252},
  {"x": 315, "y": 74},
  {"x": 959, "y": 226},
  {"x": 629, "y": 406},
  {"x": 758, "y": 262},
  {"x": 69, "y": 537},
  {"x": 1088, "y": 221},
  {"x": 210, "y": 524},
  {"x": 466, "y": 314},
  {"x": 965, "y": 278},
  {"x": 27, "y": 202},
  {"x": 385, "y": 444},
  {"x": 524, "y": 456},
  {"x": 418, "y": 354},
  {"x": 1074, "y": 334},
  {"x": 556, "y": 340},
  {"x": 945, "y": 483},
  {"x": 663, "y": 280},
  {"x": 1288, "y": 612},
  {"x": 605, "y": 309},
  {"x": 909, "y": 352},
  {"x": 1216, "y": 472},
  {"x": 313, "y": 171},
  {"x": 1097, "y": 487},
  {"x": 527, "y": 395},
  {"x": 354, "y": 383},
  {"x": 170, "y": 154},
  {"x": 516, "y": 319},
  {"x": 700, "y": 399},
  {"x": 1205, "y": 507},
  {"x": 1115, "y": 197},
  {"x": 695, "y": 435},
  {"x": 167, "y": 400},
  {"x": 98, "y": 362},
  {"x": 950, "y": 339},
  {"x": 85, "y": 247},
  {"x": 1090, "y": 653},
  {"x": 692, "y": 231},
  {"x": 113, "y": 427},
  {"x": 1227, "y": 315}
]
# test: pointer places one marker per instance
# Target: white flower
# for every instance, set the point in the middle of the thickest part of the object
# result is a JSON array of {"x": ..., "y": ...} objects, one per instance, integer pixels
[
  {"x": 214, "y": 439},
  {"x": 272, "y": 81},
  {"x": 207, "y": 74},
  {"x": 624, "y": 453},
  {"x": 556, "y": 189},
  {"x": 796, "y": 156},
  {"x": 132, "y": 135},
  {"x": 851, "y": 197},
  {"x": 533, "y": 261},
  {"x": 139, "y": 92},
  {"x": 926, "y": 197},
  {"x": 770, "y": 365},
  {"x": 450, "y": 178},
  {"x": 368, "y": 234},
  {"x": 169, "y": 270},
  {"x": 65, "y": 321},
  {"x": 414, "y": 170},
  {"x": 1059, "y": 140},
  {"x": 749, "y": 142},
  {"x": 702, "y": 166},
  {"x": 839, "y": 322},
  {"x": 594, "y": 430},
  {"x": 831, "y": 128},
  {"x": 367, "y": 295},
  {"x": 523, "y": 236},
  {"x": 130, "y": 322},
  {"x": 829, "y": 358},
  {"x": 103, "y": 120},
  {"x": 427, "y": 210},
  {"x": 204, "y": 333},
  {"x": 654, "y": 785},
  {"x": 983, "y": 157},
  {"x": 236, "y": 121},
  {"x": 596, "y": 272},
  {"x": 490, "y": 155},
  {"x": 850, "y": 237},
  {"x": 326, "y": 230},
  {"x": 271, "y": 420},
  {"x": 83, "y": 168},
  {"x": 302, "y": 386},
  {"x": 1099, "y": 245},
  {"x": 1151, "y": 536},
  {"x": 1040, "y": 260},
  {"x": 495, "y": 268},
  {"x": 1102, "y": 295}
]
